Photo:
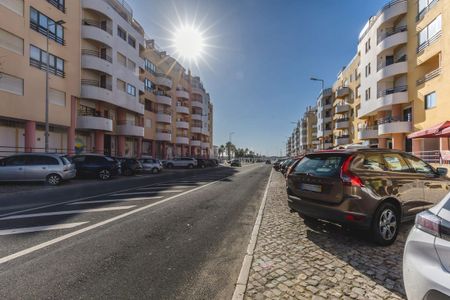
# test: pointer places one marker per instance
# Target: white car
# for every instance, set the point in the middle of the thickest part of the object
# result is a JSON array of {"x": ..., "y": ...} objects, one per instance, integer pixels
[
  {"x": 151, "y": 165},
  {"x": 426, "y": 260},
  {"x": 182, "y": 162}
]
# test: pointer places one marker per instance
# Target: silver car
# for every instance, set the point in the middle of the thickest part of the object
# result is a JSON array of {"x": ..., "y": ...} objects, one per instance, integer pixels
[
  {"x": 151, "y": 165},
  {"x": 182, "y": 162},
  {"x": 51, "y": 168}
]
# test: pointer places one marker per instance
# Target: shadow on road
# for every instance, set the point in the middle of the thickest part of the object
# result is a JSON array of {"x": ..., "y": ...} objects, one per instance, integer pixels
[{"x": 382, "y": 264}]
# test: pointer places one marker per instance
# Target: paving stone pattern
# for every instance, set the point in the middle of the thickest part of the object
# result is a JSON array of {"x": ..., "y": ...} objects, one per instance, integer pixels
[{"x": 294, "y": 260}]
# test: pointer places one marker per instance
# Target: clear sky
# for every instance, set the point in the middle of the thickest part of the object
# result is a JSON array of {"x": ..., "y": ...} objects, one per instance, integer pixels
[{"x": 263, "y": 53}]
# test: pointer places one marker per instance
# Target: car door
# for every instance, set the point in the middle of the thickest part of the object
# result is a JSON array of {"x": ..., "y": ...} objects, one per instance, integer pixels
[
  {"x": 404, "y": 184},
  {"x": 13, "y": 168},
  {"x": 39, "y": 166},
  {"x": 435, "y": 186},
  {"x": 79, "y": 162}
]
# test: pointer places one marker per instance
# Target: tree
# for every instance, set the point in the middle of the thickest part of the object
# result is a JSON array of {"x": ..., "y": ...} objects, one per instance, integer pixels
[
  {"x": 221, "y": 150},
  {"x": 230, "y": 147}
]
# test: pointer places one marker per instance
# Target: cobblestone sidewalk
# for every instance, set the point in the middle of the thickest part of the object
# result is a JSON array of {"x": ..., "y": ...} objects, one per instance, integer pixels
[{"x": 319, "y": 261}]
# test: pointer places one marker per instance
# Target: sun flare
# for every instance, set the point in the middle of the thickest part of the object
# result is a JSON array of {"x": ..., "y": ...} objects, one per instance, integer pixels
[{"x": 188, "y": 42}]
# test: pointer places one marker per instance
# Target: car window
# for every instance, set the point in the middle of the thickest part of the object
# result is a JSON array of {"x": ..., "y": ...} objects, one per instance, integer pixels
[
  {"x": 38, "y": 160},
  {"x": 395, "y": 162},
  {"x": 15, "y": 160},
  {"x": 370, "y": 161},
  {"x": 65, "y": 160},
  {"x": 101, "y": 158},
  {"x": 95, "y": 159},
  {"x": 79, "y": 158},
  {"x": 419, "y": 165},
  {"x": 320, "y": 165}
]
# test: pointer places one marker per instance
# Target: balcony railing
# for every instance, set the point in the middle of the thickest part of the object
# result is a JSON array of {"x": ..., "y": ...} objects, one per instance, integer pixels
[
  {"x": 129, "y": 123},
  {"x": 397, "y": 89},
  {"x": 342, "y": 120},
  {"x": 429, "y": 76},
  {"x": 96, "y": 83},
  {"x": 422, "y": 13},
  {"x": 85, "y": 111},
  {"x": 430, "y": 41},
  {"x": 161, "y": 93},
  {"x": 390, "y": 119},
  {"x": 390, "y": 32},
  {"x": 386, "y": 63},
  {"x": 58, "y": 5},
  {"x": 163, "y": 131},
  {"x": 98, "y": 24},
  {"x": 51, "y": 35},
  {"x": 97, "y": 54},
  {"x": 43, "y": 66}
]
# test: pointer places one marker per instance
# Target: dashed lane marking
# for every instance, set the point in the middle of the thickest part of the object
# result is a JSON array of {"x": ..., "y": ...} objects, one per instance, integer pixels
[
  {"x": 115, "y": 200},
  {"x": 40, "y": 228}
]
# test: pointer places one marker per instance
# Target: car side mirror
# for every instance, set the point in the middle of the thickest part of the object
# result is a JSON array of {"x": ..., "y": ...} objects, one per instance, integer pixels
[{"x": 442, "y": 171}]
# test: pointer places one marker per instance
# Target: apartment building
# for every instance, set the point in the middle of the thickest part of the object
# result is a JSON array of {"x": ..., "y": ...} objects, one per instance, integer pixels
[
  {"x": 25, "y": 28},
  {"x": 308, "y": 130},
  {"x": 325, "y": 118}
]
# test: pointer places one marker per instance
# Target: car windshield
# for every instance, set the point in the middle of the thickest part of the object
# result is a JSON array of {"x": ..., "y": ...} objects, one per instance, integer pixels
[{"x": 320, "y": 165}]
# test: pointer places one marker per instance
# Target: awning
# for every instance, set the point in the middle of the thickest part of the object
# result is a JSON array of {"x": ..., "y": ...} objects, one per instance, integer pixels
[
  {"x": 445, "y": 132},
  {"x": 431, "y": 132}
]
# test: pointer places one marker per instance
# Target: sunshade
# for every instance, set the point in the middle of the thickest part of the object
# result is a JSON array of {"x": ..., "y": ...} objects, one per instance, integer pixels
[{"x": 431, "y": 132}]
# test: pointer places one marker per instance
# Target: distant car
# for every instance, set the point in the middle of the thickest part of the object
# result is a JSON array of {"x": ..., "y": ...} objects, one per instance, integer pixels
[
  {"x": 151, "y": 165},
  {"x": 277, "y": 164},
  {"x": 235, "y": 163},
  {"x": 373, "y": 189},
  {"x": 129, "y": 166},
  {"x": 51, "y": 168},
  {"x": 426, "y": 259},
  {"x": 102, "y": 167},
  {"x": 285, "y": 165},
  {"x": 268, "y": 162},
  {"x": 214, "y": 162},
  {"x": 182, "y": 162}
]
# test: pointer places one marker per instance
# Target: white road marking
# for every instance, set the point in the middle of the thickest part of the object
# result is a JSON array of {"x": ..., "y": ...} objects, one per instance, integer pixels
[
  {"x": 88, "y": 228},
  {"x": 40, "y": 228},
  {"x": 149, "y": 192},
  {"x": 115, "y": 200},
  {"x": 164, "y": 187},
  {"x": 66, "y": 212}
]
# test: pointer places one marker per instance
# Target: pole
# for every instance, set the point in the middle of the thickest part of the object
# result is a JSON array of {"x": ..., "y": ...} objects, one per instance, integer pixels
[{"x": 46, "y": 93}]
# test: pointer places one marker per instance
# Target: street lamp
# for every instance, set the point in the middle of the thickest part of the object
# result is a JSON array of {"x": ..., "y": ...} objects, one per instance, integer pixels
[
  {"x": 323, "y": 119},
  {"x": 54, "y": 23}
]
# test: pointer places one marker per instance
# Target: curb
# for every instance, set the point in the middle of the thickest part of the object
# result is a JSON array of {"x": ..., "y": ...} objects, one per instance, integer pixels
[{"x": 241, "y": 284}]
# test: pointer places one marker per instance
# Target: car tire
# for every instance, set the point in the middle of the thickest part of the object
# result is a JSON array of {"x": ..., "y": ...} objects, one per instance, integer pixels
[
  {"x": 169, "y": 166},
  {"x": 386, "y": 224},
  {"x": 104, "y": 174},
  {"x": 307, "y": 218},
  {"x": 53, "y": 179},
  {"x": 190, "y": 166},
  {"x": 155, "y": 170}
]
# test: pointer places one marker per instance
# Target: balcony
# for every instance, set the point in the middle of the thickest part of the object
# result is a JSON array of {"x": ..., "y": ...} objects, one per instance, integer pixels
[
  {"x": 164, "y": 117},
  {"x": 205, "y": 131},
  {"x": 195, "y": 129},
  {"x": 93, "y": 122},
  {"x": 129, "y": 128},
  {"x": 197, "y": 117},
  {"x": 342, "y": 124},
  {"x": 92, "y": 31},
  {"x": 182, "y": 94},
  {"x": 390, "y": 69},
  {"x": 342, "y": 140},
  {"x": 198, "y": 91},
  {"x": 368, "y": 133},
  {"x": 92, "y": 89},
  {"x": 163, "y": 98},
  {"x": 182, "y": 140},
  {"x": 163, "y": 80},
  {"x": 429, "y": 76},
  {"x": 196, "y": 104},
  {"x": 94, "y": 60},
  {"x": 342, "y": 92},
  {"x": 164, "y": 136},
  {"x": 385, "y": 100},
  {"x": 196, "y": 143},
  {"x": 393, "y": 125},
  {"x": 98, "y": 6},
  {"x": 341, "y": 108},
  {"x": 182, "y": 124},
  {"x": 205, "y": 145},
  {"x": 392, "y": 38},
  {"x": 183, "y": 110},
  {"x": 429, "y": 42},
  {"x": 327, "y": 146}
]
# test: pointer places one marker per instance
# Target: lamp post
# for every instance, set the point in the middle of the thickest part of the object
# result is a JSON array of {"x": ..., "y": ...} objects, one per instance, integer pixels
[
  {"x": 323, "y": 119},
  {"x": 53, "y": 23}
]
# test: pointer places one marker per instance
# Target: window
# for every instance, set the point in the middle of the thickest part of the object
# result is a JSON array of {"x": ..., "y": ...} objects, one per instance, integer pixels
[
  {"x": 38, "y": 59},
  {"x": 14, "y": 5},
  {"x": 358, "y": 91},
  {"x": 131, "y": 90},
  {"x": 121, "y": 33},
  {"x": 11, "y": 42},
  {"x": 148, "y": 85},
  {"x": 57, "y": 97},
  {"x": 37, "y": 160},
  {"x": 131, "y": 41},
  {"x": 148, "y": 123},
  {"x": 121, "y": 59},
  {"x": 149, "y": 66},
  {"x": 368, "y": 94},
  {"x": 368, "y": 70},
  {"x": 131, "y": 65},
  {"x": 59, "y": 4},
  {"x": 15, "y": 160},
  {"x": 370, "y": 161},
  {"x": 419, "y": 165},
  {"x": 429, "y": 32},
  {"x": 121, "y": 85},
  {"x": 430, "y": 100},
  {"x": 395, "y": 162},
  {"x": 11, "y": 84},
  {"x": 320, "y": 165},
  {"x": 368, "y": 45},
  {"x": 39, "y": 22}
]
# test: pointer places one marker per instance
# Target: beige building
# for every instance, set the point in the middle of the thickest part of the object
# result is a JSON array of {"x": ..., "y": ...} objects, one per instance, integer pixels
[{"x": 325, "y": 118}]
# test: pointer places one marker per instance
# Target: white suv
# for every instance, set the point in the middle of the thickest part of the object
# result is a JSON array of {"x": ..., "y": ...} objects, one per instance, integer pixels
[{"x": 182, "y": 162}]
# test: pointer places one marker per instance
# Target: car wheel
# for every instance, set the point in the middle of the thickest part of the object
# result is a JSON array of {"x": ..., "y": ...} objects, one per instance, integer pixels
[
  {"x": 386, "y": 224},
  {"x": 190, "y": 166},
  {"x": 155, "y": 170},
  {"x": 170, "y": 166},
  {"x": 54, "y": 179},
  {"x": 307, "y": 218},
  {"x": 104, "y": 174}
]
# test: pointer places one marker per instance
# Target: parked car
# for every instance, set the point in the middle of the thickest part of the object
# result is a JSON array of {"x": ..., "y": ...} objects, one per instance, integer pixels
[
  {"x": 182, "y": 162},
  {"x": 129, "y": 166},
  {"x": 204, "y": 163},
  {"x": 51, "y": 168},
  {"x": 373, "y": 189},
  {"x": 235, "y": 163},
  {"x": 268, "y": 162},
  {"x": 426, "y": 259},
  {"x": 292, "y": 166},
  {"x": 151, "y": 165},
  {"x": 285, "y": 165},
  {"x": 277, "y": 164},
  {"x": 102, "y": 167},
  {"x": 214, "y": 162}
]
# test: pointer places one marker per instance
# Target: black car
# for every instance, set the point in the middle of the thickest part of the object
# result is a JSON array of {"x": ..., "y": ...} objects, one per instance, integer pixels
[
  {"x": 204, "y": 163},
  {"x": 102, "y": 167},
  {"x": 277, "y": 164},
  {"x": 235, "y": 163},
  {"x": 268, "y": 162},
  {"x": 129, "y": 166}
]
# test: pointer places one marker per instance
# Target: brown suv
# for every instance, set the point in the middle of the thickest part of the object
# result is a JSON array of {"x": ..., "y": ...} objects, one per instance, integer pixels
[{"x": 374, "y": 189}]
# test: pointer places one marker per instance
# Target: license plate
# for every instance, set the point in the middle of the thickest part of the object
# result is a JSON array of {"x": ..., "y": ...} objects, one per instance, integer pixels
[{"x": 311, "y": 187}]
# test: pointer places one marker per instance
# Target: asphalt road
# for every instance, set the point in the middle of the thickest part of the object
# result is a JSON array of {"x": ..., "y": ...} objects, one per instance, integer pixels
[{"x": 169, "y": 237}]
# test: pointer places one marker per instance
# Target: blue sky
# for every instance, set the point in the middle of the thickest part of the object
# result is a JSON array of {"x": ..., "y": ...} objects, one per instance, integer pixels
[{"x": 263, "y": 53}]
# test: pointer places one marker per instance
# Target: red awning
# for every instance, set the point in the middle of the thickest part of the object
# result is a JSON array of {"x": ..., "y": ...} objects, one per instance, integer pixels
[
  {"x": 431, "y": 132},
  {"x": 445, "y": 132}
]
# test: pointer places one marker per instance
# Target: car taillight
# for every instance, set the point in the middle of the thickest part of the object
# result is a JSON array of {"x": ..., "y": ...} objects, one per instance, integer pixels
[
  {"x": 347, "y": 176},
  {"x": 432, "y": 224}
]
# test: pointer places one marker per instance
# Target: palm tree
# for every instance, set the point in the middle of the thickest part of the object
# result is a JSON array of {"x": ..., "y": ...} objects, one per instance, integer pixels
[{"x": 230, "y": 147}]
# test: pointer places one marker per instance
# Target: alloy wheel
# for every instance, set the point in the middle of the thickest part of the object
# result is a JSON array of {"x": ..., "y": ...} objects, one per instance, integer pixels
[
  {"x": 387, "y": 225},
  {"x": 54, "y": 179},
  {"x": 104, "y": 174}
]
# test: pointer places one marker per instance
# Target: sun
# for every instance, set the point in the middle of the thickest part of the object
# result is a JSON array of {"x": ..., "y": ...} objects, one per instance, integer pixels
[{"x": 188, "y": 42}]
